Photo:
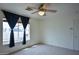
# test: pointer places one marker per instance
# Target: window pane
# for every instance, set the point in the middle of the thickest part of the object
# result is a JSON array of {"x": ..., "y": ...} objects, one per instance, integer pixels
[
  {"x": 16, "y": 33},
  {"x": 28, "y": 32},
  {"x": 6, "y": 33},
  {"x": 21, "y": 31}
]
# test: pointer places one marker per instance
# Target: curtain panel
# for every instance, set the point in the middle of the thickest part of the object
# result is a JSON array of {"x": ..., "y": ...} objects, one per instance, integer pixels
[
  {"x": 25, "y": 21},
  {"x": 12, "y": 20}
]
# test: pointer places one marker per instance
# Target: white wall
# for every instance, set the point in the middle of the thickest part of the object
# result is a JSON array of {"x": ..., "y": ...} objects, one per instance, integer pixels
[
  {"x": 57, "y": 29},
  {"x": 34, "y": 36},
  {"x": 57, "y": 32}
]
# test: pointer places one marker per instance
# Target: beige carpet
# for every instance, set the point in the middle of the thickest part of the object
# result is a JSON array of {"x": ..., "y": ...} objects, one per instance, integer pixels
[{"x": 46, "y": 50}]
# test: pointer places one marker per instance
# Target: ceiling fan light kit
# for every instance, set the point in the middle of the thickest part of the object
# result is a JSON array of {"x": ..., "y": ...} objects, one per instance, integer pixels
[{"x": 41, "y": 13}]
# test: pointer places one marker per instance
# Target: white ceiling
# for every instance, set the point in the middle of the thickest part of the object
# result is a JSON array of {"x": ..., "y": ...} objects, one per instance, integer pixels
[{"x": 19, "y": 8}]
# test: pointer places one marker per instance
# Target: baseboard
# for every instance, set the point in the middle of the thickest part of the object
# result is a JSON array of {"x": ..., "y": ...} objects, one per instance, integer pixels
[{"x": 59, "y": 46}]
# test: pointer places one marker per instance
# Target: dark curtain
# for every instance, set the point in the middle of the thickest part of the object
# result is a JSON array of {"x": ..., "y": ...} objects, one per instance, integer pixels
[
  {"x": 25, "y": 21},
  {"x": 12, "y": 20}
]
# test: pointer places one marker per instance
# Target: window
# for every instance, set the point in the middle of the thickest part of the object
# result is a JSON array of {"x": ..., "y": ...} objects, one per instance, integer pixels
[{"x": 18, "y": 32}]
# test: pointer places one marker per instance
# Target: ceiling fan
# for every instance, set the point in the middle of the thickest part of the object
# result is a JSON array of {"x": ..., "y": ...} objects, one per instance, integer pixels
[{"x": 41, "y": 10}]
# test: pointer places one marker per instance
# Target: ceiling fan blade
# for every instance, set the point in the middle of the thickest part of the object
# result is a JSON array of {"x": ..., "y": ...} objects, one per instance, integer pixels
[
  {"x": 51, "y": 10},
  {"x": 30, "y": 8},
  {"x": 35, "y": 12},
  {"x": 33, "y": 7}
]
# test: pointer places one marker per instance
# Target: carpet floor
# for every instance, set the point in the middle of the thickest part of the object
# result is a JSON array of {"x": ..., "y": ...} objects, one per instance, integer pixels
[{"x": 43, "y": 49}]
